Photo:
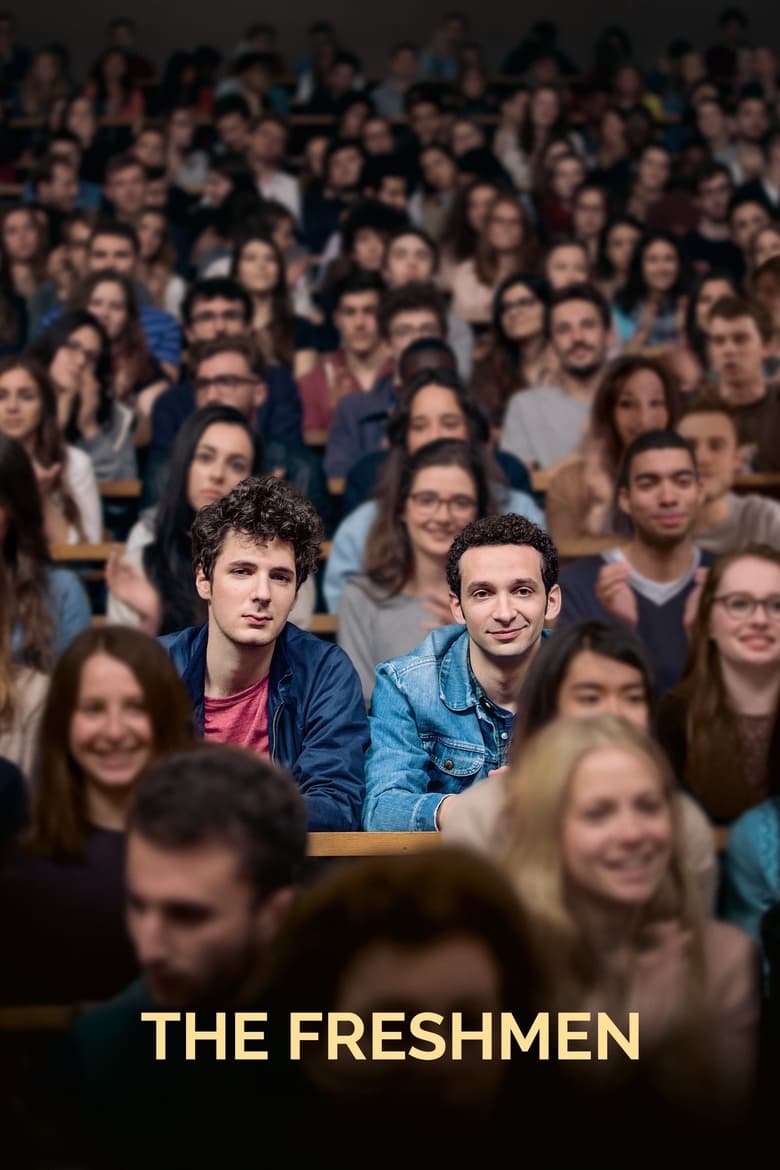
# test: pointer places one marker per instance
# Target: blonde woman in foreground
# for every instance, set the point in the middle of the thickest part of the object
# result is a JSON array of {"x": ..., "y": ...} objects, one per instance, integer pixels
[{"x": 595, "y": 852}]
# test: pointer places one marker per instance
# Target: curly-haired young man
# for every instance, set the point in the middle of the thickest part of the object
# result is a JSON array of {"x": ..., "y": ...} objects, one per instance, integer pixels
[
  {"x": 442, "y": 715},
  {"x": 255, "y": 679}
]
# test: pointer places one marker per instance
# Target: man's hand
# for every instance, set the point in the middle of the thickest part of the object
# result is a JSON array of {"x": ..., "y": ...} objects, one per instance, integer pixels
[{"x": 614, "y": 592}]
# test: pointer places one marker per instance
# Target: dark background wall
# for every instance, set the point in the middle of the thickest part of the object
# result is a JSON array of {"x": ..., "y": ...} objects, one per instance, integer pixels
[{"x": 370, "y": 28}]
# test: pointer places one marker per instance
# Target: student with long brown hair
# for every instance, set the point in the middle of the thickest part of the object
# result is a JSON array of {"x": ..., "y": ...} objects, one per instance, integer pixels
[
  {"x": 137, "y": 378},
  {"x": 114, "y": 705},
  {"x": 28, "y": 413},
  {"x": 506, "y": 244},
  {"x": 258, "y": 266},
  {"x": 516, "y": 353},
  {"x": 402, "y": 591},
  {"x": 635, "y": 395},
  {"x": 721, "y": 724},
  {"x": 48, "y": 604}
]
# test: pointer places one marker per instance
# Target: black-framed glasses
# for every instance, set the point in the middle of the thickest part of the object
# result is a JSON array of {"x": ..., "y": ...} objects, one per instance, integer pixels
[{"x": 742, "y": 606}]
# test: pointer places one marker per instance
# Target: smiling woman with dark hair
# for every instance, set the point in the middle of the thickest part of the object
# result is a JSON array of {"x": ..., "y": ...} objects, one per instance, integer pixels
[
  {"x": 402, "y": 592},
  {"x": 115, "y": 703}
]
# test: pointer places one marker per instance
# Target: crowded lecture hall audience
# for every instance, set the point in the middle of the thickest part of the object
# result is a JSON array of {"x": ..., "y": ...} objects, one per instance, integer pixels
[{"x": 409, "y": 431}]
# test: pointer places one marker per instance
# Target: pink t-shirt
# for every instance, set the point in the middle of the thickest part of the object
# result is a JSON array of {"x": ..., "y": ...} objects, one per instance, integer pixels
[{"x": 241, "y": 718}]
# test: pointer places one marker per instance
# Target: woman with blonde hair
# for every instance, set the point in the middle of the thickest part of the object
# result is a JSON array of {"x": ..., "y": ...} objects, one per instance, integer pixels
[{"x": 595, "y": 853}]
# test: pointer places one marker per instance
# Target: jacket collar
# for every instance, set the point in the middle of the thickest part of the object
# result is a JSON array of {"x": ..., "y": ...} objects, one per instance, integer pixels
[{"x": 455, "y": 686}]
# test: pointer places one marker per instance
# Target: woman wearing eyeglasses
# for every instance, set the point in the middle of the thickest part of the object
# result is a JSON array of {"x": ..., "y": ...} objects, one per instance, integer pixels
[
  {"x": 515, "y": 354},
  {"x": 76, "y": 351},
  {"x": 721, "y": 724},
  {"x": 402, "y": 592}
]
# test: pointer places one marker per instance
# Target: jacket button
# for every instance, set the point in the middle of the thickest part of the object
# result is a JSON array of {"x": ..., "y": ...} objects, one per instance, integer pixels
[{"x": 448, "y": 765}]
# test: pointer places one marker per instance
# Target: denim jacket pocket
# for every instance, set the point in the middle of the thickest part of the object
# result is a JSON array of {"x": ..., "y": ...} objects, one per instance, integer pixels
[{"x": 456, "y": 765}]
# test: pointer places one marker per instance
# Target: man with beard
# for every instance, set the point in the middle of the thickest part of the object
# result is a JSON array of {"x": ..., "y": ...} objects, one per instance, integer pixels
[
  {"x": 544, "y": 425},
  {"x": 651, "y": 583}
]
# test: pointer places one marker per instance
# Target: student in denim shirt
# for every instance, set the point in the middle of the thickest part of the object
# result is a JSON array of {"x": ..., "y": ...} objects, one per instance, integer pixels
[{"x": 441, "y": 716}]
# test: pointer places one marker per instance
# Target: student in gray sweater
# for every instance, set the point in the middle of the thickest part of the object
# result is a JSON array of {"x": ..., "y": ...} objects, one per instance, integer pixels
[{"x": 402, "y": 593}]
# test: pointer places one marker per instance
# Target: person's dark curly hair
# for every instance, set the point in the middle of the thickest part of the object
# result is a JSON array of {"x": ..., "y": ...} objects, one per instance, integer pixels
[
  {"x": 507, "y": 529},
  {"x": 262, "y": 507}
]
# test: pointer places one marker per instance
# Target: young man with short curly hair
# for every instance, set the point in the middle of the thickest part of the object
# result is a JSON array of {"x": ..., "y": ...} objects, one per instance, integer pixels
[
  {"x": 442, "y": 715},
  {"x": 255, "y": 679}
]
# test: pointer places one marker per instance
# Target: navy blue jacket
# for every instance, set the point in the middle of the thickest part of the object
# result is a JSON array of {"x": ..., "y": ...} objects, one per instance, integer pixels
[{"x": 317, "y": 724}]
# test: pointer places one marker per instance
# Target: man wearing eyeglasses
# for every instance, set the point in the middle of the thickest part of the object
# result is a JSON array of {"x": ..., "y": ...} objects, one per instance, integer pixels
[
  {"x": 709, "y": 244},
  {"x": 442, "y": 715},
  {"x": 360, "y": 422},
  {"x": 652, "y": 583},
  {"x": 216, "y": 310}
]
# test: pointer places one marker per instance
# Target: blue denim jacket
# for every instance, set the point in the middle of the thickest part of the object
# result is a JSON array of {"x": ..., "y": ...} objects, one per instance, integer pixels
[{"x": 431, "y": 733}]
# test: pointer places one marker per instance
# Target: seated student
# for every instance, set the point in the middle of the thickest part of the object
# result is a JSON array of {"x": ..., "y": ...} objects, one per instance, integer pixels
[
  {"x": 137, "y": 378},
  {"x": 358, "y": 247},
  {"x": 115, "y": 246},
  {"x": 739, "y": 333},
  {"x": 595, "y": 853},
  {"x": 360, "y": 422},
  {"x": 650, "y": 583},
  {"x": 434, "y": 405},
  {"x": 229, "y": 371},
  {"x": 412, "y": 257},
  {"x": 48, "y": 604},
  {"x": 566, "y": 262},
  {"x": 425, "y": 354},
  {"x": 217, "y": 309},
  {"x": 593, "y": 668},
  {"x": 635, "y": 395},
  {"x": 361, "y": 360},
  {"x": 114, "y": 705},
  {"x": 751, "y": 868},
  {"x": 545, "y": 424},
  {"x": 150, "y": 585},
  {"x": 441, "y": 716},
  {"x": 721, "y": 725},
  {"x": 402, "y": 591},
  {"x": 28, "y": 413},
  {"x": 515, "y": 354},
  {"x": 77, "y": 354},
  {"x": 253, "y": 678},
  {"x": 22, "y": 695},
  {"x": 282, "y": 338},
  {"x": 505, "y": 244},
  {"x": 726, "y": 521},
  {"x": 218, "y": 835},
  {"x": 649, "y": 311}
]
